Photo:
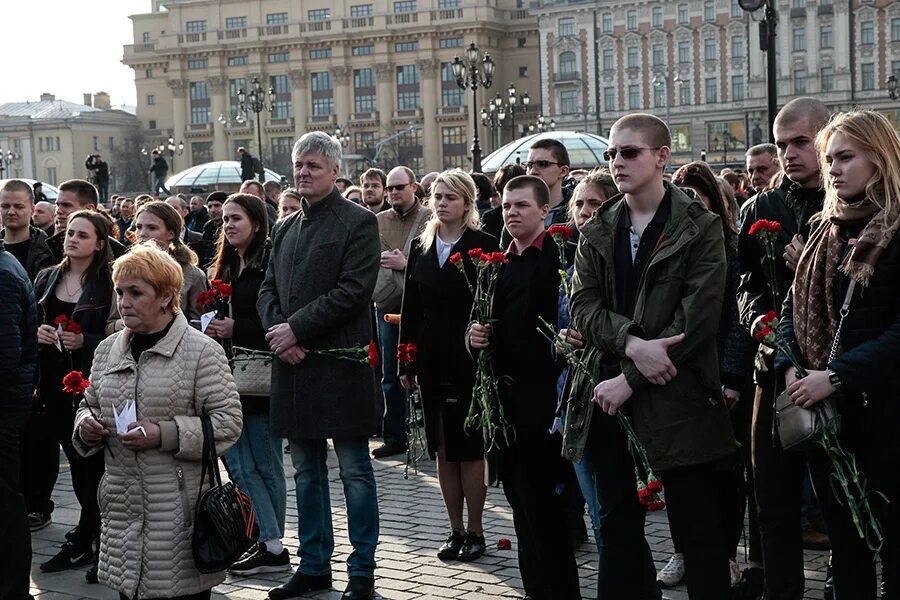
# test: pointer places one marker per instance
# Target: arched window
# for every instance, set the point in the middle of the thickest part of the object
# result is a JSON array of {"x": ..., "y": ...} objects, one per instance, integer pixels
[{"x": 567, "y": 63}]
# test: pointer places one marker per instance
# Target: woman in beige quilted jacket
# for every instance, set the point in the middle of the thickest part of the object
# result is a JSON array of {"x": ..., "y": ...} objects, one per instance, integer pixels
[{"x": 171, "y": 373}]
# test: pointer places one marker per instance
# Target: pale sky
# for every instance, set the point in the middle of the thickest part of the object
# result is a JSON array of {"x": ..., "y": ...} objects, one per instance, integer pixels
[{"x": 67, "y": 48}]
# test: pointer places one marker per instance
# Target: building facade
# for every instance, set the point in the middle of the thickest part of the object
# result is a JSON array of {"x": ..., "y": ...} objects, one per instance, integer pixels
[
  {"x": 378, "y": 69},
  {"x": 51, "y": 138},
  {"x": 698, "y": 64}
]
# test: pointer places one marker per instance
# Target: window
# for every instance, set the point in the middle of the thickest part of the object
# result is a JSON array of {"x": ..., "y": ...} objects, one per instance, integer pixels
[
  {"x": 51, "y": 175},
  {"x": 799, "y": 39},
  {"x": 445, "y": 4},
  {"x": 608, "y": 59},
  {"x": 201, "y": 152},
  {"x": 281, "y": 154},
  {"x": 826, "y": 36},
  {"x": 279, "y": 57},
  {"x": 148, "y": 73},
  {"x": 568, "y": 102},
  {"x": 566, "y": 26},
  {"x": 523, "y": 71},
  {"x": 320, "y": 53},
  {"x": 322, "y": 94},
  {"x": 684, "y": 94},
  {"x": 200, "y": 106},
  {"x": 319, "y": 14},
  {"x": 659, "y": 55},
  {"x": 451, "y": 94},
  {"x": 235, "y": 61},
  {"x": 406, "y": 46},
  {"x": 363, "y": 50},
  {"x": 606, "y": 21},
  {"x": 868, "y": 76},
  {"x": 233, "y": 86},
  {"x": 96, "y": 144},
  {"x": 321, "y": 82},
  {"x": 145, "y": 37},
  {"x": 198, "y": 64},
  {"x": 659, "y": 96},
  {"x": 826, "y": 76},
  {"x": 737, "y": 47},
  {"x": 709, "y": 49},
  {"x": 712, "y": 90},
  {"x": 709, "y": 11},
  {"x": 279, "y": 18},
  {"x": 235, "y": 22},
  {"x": 800, "y": 81},
  {"x": 363, "y": 91},
  {"x": 683, "y": 14},
  {"x": 657, "y": 16},
  {"x": 521, "y": 42},
  {"x": 408, "y": 87},
  {"x": 737, "y": 88},
  {"x": 631, "y": 20},
  {"x": 365, "y": 142},
  {"x": 867, "y": 32},
  {"x": 195, "y": 26},
  {"x": 405, "y": 6},
  {"x": 633, "y": 57},
  {"x": 361, "y": 10},
  {"x": 282, "y": 107},
  {"x": 895, "y": 29},
  {"x": 151, "y": 124},
  {"x": 450, "y": 43},
  {"x": 609, "y": 98},
  {"x": 151, "y": 99},
  {"x": 567, "y": 63},
  {"x": 736, "y": 11},
  {"x": 684, "y": 51},
  {"x": 634, "y": 97},
  {"x": 453, "y": 140}
]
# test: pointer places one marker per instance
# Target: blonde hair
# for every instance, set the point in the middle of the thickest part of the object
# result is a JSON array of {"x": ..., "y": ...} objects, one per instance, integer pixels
[
  {"x": 876, "y": 139},
  {"x": 463, "y": 185},
  {"x": 598, "y": 179},
  {"x": 154, "y": 266},
  {"x": 288, "y": 193}
]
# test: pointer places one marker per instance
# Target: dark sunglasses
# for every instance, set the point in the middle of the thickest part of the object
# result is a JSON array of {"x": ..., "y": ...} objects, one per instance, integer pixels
[
  {"x": 627, "y": 153},
  {"x": 399, "y": 187},
  {"x": 540, "y": 164}
]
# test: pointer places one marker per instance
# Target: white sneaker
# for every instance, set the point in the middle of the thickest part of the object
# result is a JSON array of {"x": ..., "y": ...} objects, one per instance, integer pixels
[
  {"x": 734, "y": 570},
  {"x": 672, "y": 574}
]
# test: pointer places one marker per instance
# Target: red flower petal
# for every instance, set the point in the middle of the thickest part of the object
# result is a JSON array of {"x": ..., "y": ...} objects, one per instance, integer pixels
[
  {"x": 455, "y": 258},
  {"x": 504, "y": 544}
]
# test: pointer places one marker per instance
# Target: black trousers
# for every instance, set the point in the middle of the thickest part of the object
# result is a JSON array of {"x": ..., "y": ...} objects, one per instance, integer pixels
[
  {"x": 15, "y": 549},
  {"x": 530, "y": 470},
  {"x": 198, "y": 596}
]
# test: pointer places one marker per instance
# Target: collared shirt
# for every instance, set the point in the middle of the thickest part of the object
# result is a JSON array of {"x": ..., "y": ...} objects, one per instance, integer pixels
[
  {"x": 443, "y": 248},
  {"x": 537, "y": 243},
  {"x": 633, "y": 253}
]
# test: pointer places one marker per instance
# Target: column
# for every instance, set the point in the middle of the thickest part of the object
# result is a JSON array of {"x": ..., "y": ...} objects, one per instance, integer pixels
[
  {"x": 217, "y": 86},
  {"x": 179, "y": 111},
  {"x": 431, "y": 135},
  {"x": 300, "y": 99},
  {"x": 342, "y": 94},
  {"x": 386, "y": 76}
]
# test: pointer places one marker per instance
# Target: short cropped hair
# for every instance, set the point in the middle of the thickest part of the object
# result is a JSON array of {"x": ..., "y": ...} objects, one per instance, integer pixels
[
  {"x": 84, "y": 191},
  {"x": 655, "y": 131},
  {"x": 770, "y": 149},
  {"x": 556, "y": 148},
  {"x": 813, "y": 111},
  {"x": 271, "y": 185},
  {"x": 17, "y": 185},
  {"x": 320, "y": 143},
  {"x": 535, "y": 184},
  {"x": 253, "y": 183},
  {"x": 505, "y": 173},
  {"x": 373, "y": 173},
  {"x": 148, "y": 263}
]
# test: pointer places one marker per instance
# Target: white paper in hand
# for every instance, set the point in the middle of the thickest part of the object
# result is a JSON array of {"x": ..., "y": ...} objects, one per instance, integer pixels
[
  {"x": 58, "y": 331},
  {"x": 125, "y": 418},
  {"x": 205, "y": 320}
]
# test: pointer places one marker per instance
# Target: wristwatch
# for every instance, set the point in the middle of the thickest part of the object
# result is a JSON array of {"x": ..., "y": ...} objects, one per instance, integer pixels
[{"x": 834, "y": 379}]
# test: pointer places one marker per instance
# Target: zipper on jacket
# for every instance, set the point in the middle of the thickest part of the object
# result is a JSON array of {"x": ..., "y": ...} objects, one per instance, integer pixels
[{"x": 185, "y": 505}]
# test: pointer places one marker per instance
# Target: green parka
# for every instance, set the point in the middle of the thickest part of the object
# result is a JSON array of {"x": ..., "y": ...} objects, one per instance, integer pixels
[{"x": 684, "y": 422}]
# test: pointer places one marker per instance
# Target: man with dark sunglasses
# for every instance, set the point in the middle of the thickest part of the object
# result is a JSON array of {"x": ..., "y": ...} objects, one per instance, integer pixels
[
  {"x": 549, "y": 160},
  {"x": 647, "y": 292},
  {"x": 397, "y": 227}
]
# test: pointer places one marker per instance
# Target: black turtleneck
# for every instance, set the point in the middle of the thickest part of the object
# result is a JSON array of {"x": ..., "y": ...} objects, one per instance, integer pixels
[{"x": 145, "y": 341}]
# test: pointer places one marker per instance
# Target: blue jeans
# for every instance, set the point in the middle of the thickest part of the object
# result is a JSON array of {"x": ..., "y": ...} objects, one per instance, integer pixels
[
  {"x": 257, "y": 466},
  {"x": 314, "y": 505},
  {"x": 394, "y": 427},
  {"x": 584, "y": 472},
  {"x": 159, "y": 183}
]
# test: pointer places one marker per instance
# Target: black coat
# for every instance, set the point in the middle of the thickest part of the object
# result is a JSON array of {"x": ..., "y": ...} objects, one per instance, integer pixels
[
  {"x": 320, "y": 280},
  {"x": 39, "y": 255},
  {"x": 159, "y": 167},
  {"x": 196, "y": 219},
  {"x": 247, "y": 167},
  {"x": 437, "y": 307},
  {"x": 18, "y": 334},
  {"x": 248, "y": 329}
]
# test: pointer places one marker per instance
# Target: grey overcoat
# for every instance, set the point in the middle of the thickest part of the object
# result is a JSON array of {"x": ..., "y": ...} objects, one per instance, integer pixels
[{"x": 320, "y": 279}]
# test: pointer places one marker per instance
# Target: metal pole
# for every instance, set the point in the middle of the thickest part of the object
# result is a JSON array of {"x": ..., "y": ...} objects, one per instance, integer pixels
[
  {"x": 262, "y": 164},
  {"x": 476, "y": 146},
  {"x": 771, "y": 65}
]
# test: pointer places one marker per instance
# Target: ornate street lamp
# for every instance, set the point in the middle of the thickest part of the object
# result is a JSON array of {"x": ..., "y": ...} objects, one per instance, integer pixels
[
  {"x": 341, "y": 135},
  {"x": 493, "y": 117},
  {"x": 477, "y": 70},
  {"x": 6, "y": 159},
  {"x": 893, "y": 87},
  {"x": 513, "y": 102},
  {"x": 541, "y": 125},
  {"x": 257, "y": 100}
]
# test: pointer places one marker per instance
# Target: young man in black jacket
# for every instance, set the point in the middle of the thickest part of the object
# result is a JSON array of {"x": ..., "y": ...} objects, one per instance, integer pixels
[{"x": 531, "y": 466}]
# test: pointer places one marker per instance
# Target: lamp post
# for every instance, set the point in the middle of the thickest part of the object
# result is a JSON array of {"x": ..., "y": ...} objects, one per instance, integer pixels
[
  {"x": 477, "y": 70},
  {"x": 341, "y": 135},
  {"x": 541, "y": 124},
  {"x": 6, "y": 159},
  {"x": 239, "y": 119},
  {"x": 663, "y": 80},
  {"x": 767, "y": 29},
  {"x": 493, "y": 117},
  {"x": 725, "y": 138},
  {"x": 514, "y": 101},
  {"x": 257, "y": 100},
  {"x": 893, "y": 87}
]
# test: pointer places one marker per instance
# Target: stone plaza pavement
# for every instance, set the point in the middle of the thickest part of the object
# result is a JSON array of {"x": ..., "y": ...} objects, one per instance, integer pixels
[{"x": 413, "y": 525}]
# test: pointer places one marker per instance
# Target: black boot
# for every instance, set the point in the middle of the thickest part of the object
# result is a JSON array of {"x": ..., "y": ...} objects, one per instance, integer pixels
[
  {"x": 359, "y": 588},
  {"x": 300, "y": 584}
]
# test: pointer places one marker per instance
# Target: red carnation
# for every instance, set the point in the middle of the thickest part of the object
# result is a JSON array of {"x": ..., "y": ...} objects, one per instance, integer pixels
[
  {"x": 216, "y": 282},
  {"x": 60, "y": 319},
  {"x": 769, "y": 317},
  {"x": 656, "y": 505},
  {"x": 455, "y": 258},
  {"x": 224, "y": 290},
  {"x": 374, "y": 359},
  {"x": 499, "y": 258},
  {"x": 401, "y": 353},
  {"x": 645, "y": 496},
  {"x": 504, "y": 544},
  {"x": 765, "y": 226},
  {"x": 412, "y": 351},
  {"x": 655, "y": 486},
  {"x": 562, "y": 231},
  {"x": 475, "y": 253},
  {"x": 75, "y": 383},
  {"x": 762, "y": 334}
]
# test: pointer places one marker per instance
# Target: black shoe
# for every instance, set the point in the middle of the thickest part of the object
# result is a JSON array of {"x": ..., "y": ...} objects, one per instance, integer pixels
[
  {"x": 750, "y": 586},
  {"x": 91, "y": 575},
  {"x": 359, "y": 588},
  {"x": 72, "y": 534},
  {"x": 70, "y": 556},
  {"x": 472, "y": 548},
  {"x": 450, "y": 549},
  {"x": 386, "y": 450},
  {"x": 261, "y": 561},
  {"x": 37, "y": 521},
  {"x": 300, "y": 584}
]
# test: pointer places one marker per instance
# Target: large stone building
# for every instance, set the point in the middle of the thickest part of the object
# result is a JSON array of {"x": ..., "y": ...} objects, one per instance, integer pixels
[
  {"x": 370, "y": 67},
  {"x": 51, "y": 138},
  {"x": 698, "y": 63}
]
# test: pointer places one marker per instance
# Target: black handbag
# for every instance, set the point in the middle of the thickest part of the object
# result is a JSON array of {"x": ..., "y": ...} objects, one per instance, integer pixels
[{"x": 224, "y": 524}]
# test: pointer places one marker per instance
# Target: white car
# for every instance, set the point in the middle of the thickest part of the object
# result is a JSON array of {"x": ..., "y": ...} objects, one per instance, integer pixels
[{"x": 50, "y": 191}]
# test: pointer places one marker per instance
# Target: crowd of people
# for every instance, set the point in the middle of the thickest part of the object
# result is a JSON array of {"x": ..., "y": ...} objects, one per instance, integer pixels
[{"x": 659, "y": 286}]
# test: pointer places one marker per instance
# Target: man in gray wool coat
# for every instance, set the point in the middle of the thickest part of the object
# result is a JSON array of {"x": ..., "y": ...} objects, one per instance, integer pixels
[{"x": 316, "y": 295}]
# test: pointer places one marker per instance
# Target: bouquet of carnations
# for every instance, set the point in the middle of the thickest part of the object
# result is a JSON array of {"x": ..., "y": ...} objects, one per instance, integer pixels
[
  {"x": 415, "y": 439},
  {"x": 217, "y": 299},
  {"x": 561, "y": 235}
]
